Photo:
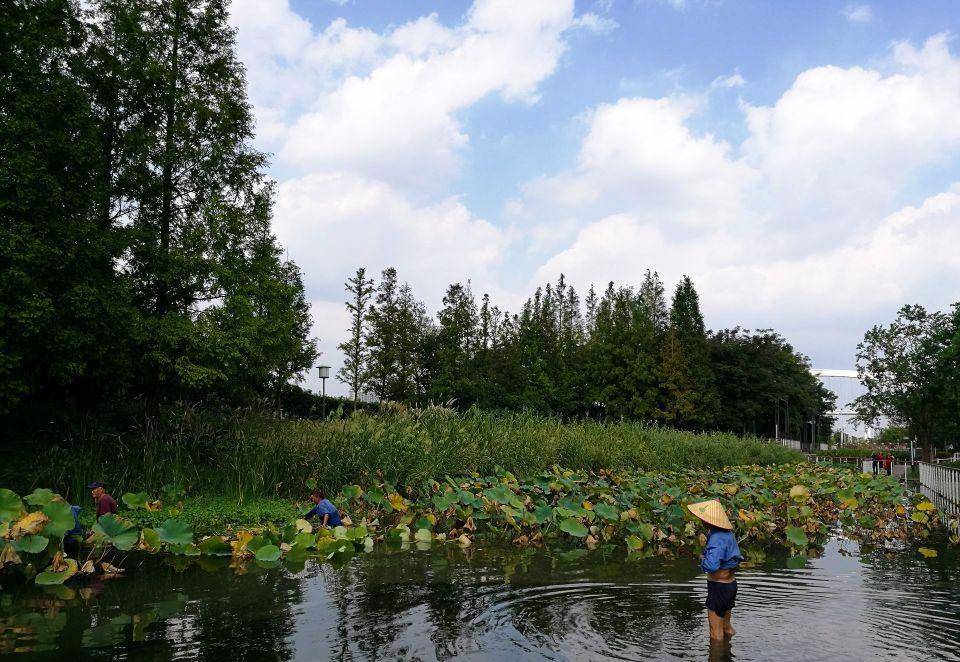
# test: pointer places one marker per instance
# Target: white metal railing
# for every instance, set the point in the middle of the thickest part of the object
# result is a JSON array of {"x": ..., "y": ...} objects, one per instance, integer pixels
[
  {"x": 941, "y": 480},
  {"x": 790, "y": 443}
]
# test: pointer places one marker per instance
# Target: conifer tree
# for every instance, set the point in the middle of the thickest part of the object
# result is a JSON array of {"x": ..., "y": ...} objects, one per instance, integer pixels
[{"x": 355, "y": 371}]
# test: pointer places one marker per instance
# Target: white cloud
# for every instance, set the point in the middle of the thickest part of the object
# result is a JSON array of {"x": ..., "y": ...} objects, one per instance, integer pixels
[
  {"x": 333, "y": 223},
  {"x": 386, "y": 105},
  {"x": 596, "y": 24},
  {"x": 858, "y": 13},
  {"x": 799, "y": 223}
]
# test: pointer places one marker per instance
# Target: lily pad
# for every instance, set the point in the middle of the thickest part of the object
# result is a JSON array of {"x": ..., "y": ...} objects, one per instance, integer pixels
[
  {"x": 51, "y": 577},
  {"x": 797, "y": 536},
  {"x": 214, "y": 546},
  {"x": 11, "y": 506},
  {"x": 928, "y": 553},
  {"x": 134, "y": 501},
  {"x": 119, "y": 532},
  {"x": 31, "y": 544},
  {"x": 175, "y": 532},
  {"x": 607, "y": 512},
  {"x": 40, "y": 497},
  {"x": 268, "y": 553},
  {"x": 61, "y": 519},
  {"x": 574, "y": 527}
]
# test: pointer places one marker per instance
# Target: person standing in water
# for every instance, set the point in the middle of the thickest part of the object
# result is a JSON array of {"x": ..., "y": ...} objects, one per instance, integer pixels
[{"x": 720, "y": 559}]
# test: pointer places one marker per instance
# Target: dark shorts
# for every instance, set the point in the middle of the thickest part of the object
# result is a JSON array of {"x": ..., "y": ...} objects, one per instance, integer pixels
[{"x": 721, "y": 597}]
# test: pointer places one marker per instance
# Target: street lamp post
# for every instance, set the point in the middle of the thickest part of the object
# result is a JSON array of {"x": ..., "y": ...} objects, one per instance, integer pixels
[{"x": 324, "y": 371}]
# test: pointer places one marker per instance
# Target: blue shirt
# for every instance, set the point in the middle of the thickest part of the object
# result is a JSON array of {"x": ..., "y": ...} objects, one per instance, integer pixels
[
  {"x": 326, "y": 508},
  {"x": 77, "y": 529},
  {"x": 721, "y": 552}
]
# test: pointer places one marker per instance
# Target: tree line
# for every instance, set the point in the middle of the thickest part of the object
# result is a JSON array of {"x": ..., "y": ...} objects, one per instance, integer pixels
[
  {"x": 136, "y": 250},
  {"x": 622, "y": 353}
]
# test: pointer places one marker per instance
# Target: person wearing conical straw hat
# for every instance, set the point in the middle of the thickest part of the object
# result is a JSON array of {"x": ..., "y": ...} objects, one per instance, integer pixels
[{"x": 720, "y": 559}]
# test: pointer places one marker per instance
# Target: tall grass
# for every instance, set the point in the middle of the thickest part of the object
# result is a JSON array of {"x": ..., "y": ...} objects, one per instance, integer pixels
[{"x": 250, "y": 453}]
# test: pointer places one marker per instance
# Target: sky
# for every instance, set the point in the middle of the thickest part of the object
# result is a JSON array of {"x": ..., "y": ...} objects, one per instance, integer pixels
[{"x": 800, "y": 161}]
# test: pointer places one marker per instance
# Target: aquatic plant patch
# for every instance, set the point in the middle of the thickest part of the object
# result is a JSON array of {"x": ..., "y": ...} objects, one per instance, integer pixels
[{"x": 792, "y": 506}]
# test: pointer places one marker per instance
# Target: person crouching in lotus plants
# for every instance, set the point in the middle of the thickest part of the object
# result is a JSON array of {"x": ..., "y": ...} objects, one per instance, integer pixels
[
  {"x": 324, "y": 510},
  {"x": 720, "y": 559}
]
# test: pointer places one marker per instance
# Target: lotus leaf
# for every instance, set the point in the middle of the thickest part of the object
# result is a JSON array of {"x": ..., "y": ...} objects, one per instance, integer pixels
[
  {"x": 117, "y": 531},
  {"x": 925, "y": 506},
  {"x": 423, "y": 535},
  {"x": 28, "y": 525},
  {"x": 134, "y": 501},
  {"x": 60, "y": 519},
  {"x": 268, "y": 553},
  {"x": 634, "y": 543},
  {"x": 31, "y": 544},
  {"x": 40, "y": 497},
  {"x": 9, "y": 555},
  {"x": 607, "y": 512},
  {"x": 797, "y": 536},
  {"x": 256, "y": 542},
  {"x": 927, "y": 552},
  {"x": 574, "y": 527},
  {"x": 175, "y": 532},
  {"x": 188, "y": 549},
  {"x": 352, "y": 491},
  {"x": 214, "y": 546},
  {"x": 303, "y": 526},
  {"x": 799, "y": 492},
  {"x": 919, "y": 517},
  {"x": 11, "y": 506},
  {"x": 57, "y": 573},
  {"x": 150, "y": 540}
]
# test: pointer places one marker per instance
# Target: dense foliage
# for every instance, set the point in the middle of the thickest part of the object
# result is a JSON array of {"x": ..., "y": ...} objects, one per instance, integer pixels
[
  {"x": 251, "y": 453},
  {"x": 911, "y": 370},
  {"x": 136, "y": 256},
  {"x": 621, "y": 355},
  {"x": 790, "y": 506}
]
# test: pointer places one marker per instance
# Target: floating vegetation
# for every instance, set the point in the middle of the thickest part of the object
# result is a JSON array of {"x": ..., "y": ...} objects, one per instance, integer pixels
[{"x": 792, "y": 506}]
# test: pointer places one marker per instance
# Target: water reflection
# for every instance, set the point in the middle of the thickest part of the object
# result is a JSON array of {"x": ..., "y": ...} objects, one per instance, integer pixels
[{"x": 496, "y": 603}]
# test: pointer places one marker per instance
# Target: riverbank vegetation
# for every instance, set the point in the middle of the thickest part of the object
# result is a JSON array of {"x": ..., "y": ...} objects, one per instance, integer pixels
[
  {"x": 784, "y": 506},
  {"x": 246, "y": 454}
]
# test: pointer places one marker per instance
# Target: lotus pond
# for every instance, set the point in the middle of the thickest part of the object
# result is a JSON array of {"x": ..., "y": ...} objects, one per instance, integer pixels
[
  {"x": 557, "y": 565},
  {"x": 493, "y": 602}
]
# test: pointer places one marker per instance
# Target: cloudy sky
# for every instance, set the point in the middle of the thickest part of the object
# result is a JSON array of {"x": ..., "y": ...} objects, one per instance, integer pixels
[{"x": 800, "y": 161}]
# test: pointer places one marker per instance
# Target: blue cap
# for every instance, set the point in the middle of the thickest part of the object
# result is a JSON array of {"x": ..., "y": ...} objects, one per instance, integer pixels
[{"x": 93, "y": 486}]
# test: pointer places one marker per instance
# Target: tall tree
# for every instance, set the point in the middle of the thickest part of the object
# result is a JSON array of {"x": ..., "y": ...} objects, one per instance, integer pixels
[
  {"x": 909, "y": 369},
  {"x": 689, "y": 354},
  {"x": 458, "y": 339},
  {"x": 187, "y": 183},
  {"x": 65, "y": 317},
  {"x": 355, "y": 372}
]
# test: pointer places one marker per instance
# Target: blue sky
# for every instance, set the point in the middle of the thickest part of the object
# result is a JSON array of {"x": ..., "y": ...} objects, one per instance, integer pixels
[{"x": 798, "y": 159}]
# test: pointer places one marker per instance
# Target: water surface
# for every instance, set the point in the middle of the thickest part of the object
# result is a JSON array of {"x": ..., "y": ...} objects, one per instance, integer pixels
[{"x": 495, "y": 603}]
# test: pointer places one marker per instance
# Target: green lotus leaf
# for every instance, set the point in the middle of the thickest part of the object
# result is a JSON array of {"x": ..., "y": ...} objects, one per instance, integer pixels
[
  {"x": 119, "y": 532},
  {"x": 40, "y": 497},
  {"x": 268, "y": 553},
  {"x": 375, "y": 496},
  {"x": 352, "y": 491},
  {"x": 634, "y": 543},
  {"x": 445, "y": 501},
  {"x": 188, "y": 549},
  {"x": 543, "y": 514},
  {"x": 215, "y": 546},
  {"x": 256, "y": 543},
  {"x": 607, "y": 512},
  {"x": 134, "y": 501},
  {"x": 61, "y": 519},
  {"x": 423, "y": 535},
  {"x": 11, "y": 506},
  {"x": 175, "y": 532},
  {"x": 31, "y": 544},
  {"x": 150, "y": 539},
  {"x": 50, "y": 578},
  {"x": 574, "y": 527},
  {"x": 357, "y": 533},
  {"x": 797, "y": 536}
]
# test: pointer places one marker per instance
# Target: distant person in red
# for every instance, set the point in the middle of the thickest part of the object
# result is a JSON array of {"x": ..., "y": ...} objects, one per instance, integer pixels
[
  {"x": 888, "y": 463},
  {"x": 105, "y": 502}
]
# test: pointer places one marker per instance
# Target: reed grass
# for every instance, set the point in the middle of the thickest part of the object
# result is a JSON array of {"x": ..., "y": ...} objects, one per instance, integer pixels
[{"x": 247, "y": 454}]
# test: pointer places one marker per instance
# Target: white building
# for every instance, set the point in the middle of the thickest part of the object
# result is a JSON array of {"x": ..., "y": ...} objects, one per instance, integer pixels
[{"x": 847, "y": 387}]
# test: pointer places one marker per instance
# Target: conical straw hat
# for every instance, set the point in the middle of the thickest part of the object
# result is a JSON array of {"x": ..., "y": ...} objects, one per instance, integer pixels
[{"x": 711, "y": 512}]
